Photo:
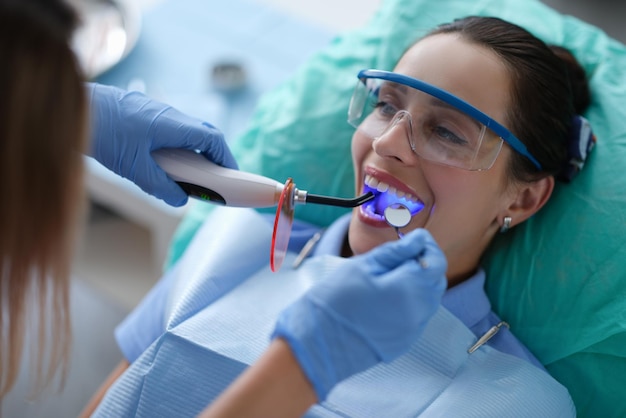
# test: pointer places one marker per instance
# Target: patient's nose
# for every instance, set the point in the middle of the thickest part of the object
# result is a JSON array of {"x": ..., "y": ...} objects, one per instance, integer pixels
[{"x": 396, "y": 140}]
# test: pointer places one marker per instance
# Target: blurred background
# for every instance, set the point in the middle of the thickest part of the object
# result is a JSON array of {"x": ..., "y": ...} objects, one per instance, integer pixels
[{"x": 124, "y": 243}]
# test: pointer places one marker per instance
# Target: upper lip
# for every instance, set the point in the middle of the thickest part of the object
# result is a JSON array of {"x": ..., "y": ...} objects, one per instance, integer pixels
[{"x": 401, "y": 189}]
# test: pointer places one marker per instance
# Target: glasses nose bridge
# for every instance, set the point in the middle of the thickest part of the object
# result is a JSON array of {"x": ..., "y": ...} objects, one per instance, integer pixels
[{"x": 400, "y": 124}]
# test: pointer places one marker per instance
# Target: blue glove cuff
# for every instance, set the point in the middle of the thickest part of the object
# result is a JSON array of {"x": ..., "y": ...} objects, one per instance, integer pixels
[{"x": 326, "y": 351}]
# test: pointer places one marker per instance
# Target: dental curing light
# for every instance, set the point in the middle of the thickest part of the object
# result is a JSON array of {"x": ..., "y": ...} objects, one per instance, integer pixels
[{"x": 205, "y": 180}]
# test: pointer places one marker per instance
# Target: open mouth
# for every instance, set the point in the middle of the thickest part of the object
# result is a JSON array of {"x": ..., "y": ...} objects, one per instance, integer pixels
[{"x": 385, "y": 196}]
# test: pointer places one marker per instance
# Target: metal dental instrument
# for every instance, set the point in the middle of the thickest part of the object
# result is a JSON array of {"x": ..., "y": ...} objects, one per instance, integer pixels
[
  {"x": 398, "y": 216},
  {"x": 487, "y": 336},
  {"x": 205, "y": 180},
  {"x": 306, "y": 250}
]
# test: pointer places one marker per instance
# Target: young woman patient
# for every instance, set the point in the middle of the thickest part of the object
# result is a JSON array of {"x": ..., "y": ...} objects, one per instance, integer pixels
[{"x": 469, "y": 132}]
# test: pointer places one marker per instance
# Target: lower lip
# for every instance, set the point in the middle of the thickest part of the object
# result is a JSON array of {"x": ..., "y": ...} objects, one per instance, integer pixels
[{"x": 367, "y": 219}]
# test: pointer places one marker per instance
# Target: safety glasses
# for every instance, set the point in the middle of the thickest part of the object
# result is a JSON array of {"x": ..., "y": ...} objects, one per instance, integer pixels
[{"x": 439, "y": 126}]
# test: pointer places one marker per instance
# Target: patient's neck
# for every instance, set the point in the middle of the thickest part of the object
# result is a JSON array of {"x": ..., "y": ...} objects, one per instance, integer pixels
[{"x": 346, "y": 251}]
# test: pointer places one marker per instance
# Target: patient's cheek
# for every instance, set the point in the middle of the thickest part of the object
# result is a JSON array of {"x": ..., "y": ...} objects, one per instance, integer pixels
[{"x": 361, "y": 146}]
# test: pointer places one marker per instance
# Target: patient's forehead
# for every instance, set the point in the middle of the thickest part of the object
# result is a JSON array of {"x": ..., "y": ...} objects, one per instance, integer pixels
[{"x": 468, "y": 70}]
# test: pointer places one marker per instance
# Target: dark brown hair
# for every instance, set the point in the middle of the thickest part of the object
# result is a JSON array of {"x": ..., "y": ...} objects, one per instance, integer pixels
[
  {"x": 549, "y": 88},
  {"x": 42, "y": 136}
]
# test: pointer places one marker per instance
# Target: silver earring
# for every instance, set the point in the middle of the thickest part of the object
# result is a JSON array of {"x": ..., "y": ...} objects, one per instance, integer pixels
[{"x": 506, "y": 224}]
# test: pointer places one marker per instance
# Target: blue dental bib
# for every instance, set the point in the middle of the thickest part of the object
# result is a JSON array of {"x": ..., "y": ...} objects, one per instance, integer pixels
[{"x": 222, "y": 311}]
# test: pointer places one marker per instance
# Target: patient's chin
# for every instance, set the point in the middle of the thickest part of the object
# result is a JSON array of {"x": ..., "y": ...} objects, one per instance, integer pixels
[{"x": 363, "y": 237}]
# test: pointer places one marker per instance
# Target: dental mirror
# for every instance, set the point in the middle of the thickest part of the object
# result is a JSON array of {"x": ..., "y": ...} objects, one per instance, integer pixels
[{"x": 398, "y": 216}]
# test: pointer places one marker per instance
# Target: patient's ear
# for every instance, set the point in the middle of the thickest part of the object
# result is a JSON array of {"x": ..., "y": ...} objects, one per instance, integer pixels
[{"x": 529, "y": 198}]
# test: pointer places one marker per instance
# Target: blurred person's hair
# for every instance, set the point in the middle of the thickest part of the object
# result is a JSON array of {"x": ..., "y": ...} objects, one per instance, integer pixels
[{"x": 43, "y": 131}]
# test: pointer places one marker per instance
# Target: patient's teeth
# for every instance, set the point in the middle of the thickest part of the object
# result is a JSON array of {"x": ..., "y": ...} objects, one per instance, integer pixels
[{"x": 382, "y": 187}]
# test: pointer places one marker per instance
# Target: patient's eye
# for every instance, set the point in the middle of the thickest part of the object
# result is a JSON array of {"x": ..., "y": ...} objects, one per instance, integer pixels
[
  {"x": 445, "y": 134},
  {"x": 386, "y": 109}
]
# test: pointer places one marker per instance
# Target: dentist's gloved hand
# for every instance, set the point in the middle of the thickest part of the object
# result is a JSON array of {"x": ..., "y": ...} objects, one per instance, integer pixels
[
  {"x": 127, "y": 126},
  {"x": 372, "y": 309}
]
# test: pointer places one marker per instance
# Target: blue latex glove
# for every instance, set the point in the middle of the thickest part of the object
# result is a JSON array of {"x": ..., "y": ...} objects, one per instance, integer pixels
[
  {"x": 127, "y": 126},
  {"x": 372, "y": 309}
]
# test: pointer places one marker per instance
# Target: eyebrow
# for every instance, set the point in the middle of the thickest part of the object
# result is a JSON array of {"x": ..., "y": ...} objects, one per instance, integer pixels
[
  {"x": 440, "y": 103},
  {"x": 435, "y": 101}
]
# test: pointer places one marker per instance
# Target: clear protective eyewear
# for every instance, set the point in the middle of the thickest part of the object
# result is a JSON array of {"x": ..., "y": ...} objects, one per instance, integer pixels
[{"x": 439, "y": 126}]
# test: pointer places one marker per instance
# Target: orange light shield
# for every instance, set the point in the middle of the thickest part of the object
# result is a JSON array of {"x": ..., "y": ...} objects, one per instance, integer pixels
[{"x": 282, "y": 226}]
